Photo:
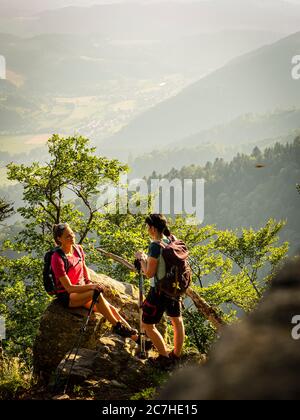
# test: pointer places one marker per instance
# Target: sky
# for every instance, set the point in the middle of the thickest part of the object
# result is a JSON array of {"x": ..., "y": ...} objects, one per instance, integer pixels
[
  {"x": 47, "y": 4},
  {"x": 40, "y": 4}
]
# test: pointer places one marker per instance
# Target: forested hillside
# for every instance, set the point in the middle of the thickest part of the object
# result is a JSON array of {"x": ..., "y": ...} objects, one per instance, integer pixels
[
  {"x": 238, "y": 193},
  {"x": 222, "y": 141}
]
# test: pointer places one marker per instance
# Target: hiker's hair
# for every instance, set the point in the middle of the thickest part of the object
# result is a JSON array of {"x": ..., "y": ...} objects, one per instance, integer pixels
[
  {"x": 58, "y": 231},
  {"x": 159, "y": 222}
]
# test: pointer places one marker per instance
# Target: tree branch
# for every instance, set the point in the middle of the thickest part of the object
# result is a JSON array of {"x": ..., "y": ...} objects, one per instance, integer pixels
[{"x": 247, "y": 274}]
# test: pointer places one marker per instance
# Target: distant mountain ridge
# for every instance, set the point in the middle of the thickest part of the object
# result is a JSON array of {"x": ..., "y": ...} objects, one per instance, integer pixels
[
  {"x": 162, "y": 160},
  {"x": 258, "y": 82},
  {"x": 169, "y": 19},
  {"x": 126, "y": 19},
  {"x": 247, "y": 128}
]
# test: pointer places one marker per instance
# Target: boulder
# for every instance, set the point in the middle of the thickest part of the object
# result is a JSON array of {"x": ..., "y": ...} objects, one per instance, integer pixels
[
  {"x": 60, "y": 327},
  {"x": 113, "y": 366},
  {"x": 113, "y": 372},
  {"x": 79, "y": 365}
]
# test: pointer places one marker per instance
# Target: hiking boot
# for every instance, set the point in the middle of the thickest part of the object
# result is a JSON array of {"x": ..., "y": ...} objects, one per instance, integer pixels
[
  {"x": 123, "y": 331},
  {"x": 161, "y": 362}
]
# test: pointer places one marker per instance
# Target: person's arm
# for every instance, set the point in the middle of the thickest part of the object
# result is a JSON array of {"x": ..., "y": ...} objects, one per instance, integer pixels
[
  {"x": 149, "y": 266},
  {"x": 149, "y": 263},
  {"x": 71, "y": 288},
  {"x": 58, "y": 268}
]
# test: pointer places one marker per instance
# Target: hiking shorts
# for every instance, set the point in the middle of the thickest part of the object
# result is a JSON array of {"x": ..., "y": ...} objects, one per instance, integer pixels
[
  {"x": 63, "y": 299},
  {"x": 156, "y": 304}
]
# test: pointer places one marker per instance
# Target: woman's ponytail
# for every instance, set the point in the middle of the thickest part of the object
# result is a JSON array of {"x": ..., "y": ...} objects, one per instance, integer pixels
[{"x": 167, "y": 232}]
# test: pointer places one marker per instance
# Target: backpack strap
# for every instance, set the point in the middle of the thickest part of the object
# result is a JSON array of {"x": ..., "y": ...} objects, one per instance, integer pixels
[
  {"x": 78, "y": 249},
  {"x": 171, "y": 238},
  {"x": 64, "y": 258}
]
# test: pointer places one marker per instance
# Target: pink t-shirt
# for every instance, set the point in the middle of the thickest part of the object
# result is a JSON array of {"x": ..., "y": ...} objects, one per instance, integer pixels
[{"x": 76, "y": 271}]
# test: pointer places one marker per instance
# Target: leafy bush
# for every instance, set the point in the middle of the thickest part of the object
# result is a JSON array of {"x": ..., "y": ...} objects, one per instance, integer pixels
[
  {"x": 15, "y": 377},
  {"x": 145, "y": 394},
  {"x": 22, "y": 301}
]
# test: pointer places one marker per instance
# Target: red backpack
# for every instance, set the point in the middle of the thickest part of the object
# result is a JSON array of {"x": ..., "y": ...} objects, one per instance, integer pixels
[{"x": 178, "y": 272}]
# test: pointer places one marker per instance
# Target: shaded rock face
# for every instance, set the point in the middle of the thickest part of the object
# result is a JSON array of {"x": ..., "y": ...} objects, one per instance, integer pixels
[
  {"x": 110, "y": 370},
  {"x": 255, "y": 359},
  {"x": 60, "y": 327}
]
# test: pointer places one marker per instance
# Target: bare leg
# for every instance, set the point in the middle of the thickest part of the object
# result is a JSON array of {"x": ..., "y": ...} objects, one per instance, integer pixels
[
  {"x": 179, "y": 335},
  {"x": 118, "y": 316},
  {"x": 81, "y": 299},
  {"x": 122, "y": 320},
  {"x": 103, "y": 307},
  {"x": 157, "y": 339}
]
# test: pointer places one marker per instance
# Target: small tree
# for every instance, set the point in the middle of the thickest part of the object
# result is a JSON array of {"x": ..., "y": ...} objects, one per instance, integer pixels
[
  {"x": 231, "y": 271},
  {"x": 256, "y": 153},
  {"x": 65, "y": 189}
]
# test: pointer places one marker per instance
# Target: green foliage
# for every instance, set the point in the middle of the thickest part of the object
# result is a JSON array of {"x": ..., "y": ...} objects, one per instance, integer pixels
[
  {"x": 22, "y": 300},
  {"x": 157, "y": 379},
  {"x": 145, "y": 394},
  {"x": 231, "y": 271},
  {"x": 252, "y": 250},
  {"x": 230, "y": 266},
  {"x": 199, "y": 332},
  {"x": 238, "y": 194},
  {"x": 14, "y": 378},
  {"x": 122, "y": 235},
  {"x": 65, "y": 189}
]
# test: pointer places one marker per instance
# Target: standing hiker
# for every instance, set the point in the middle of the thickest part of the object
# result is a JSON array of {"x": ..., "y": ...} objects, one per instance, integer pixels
[
  {"x": 73, "y": 285},
  {"x": 159, "y": 300}
]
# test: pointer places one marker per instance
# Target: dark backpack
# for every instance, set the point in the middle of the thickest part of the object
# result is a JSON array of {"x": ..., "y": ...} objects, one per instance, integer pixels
[
  {"x": 50, "y": 282},
  {"x": 178, "y": 272}
]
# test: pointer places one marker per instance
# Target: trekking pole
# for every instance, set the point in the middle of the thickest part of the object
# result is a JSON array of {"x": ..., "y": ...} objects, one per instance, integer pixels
[
  {"x": 78, "y": 341},
  {"x": 143, "y": 353}
]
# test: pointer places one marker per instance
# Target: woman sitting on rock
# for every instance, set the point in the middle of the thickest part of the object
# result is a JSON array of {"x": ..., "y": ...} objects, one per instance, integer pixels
[{"x": 74, "y": 288}]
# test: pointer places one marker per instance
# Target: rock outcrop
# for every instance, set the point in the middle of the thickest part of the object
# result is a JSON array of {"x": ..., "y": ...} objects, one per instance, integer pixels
[
  {"x": 106, "y": 366},
  {"x": 59, "y": 327},
  {"x": 112, "y": 371}
]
